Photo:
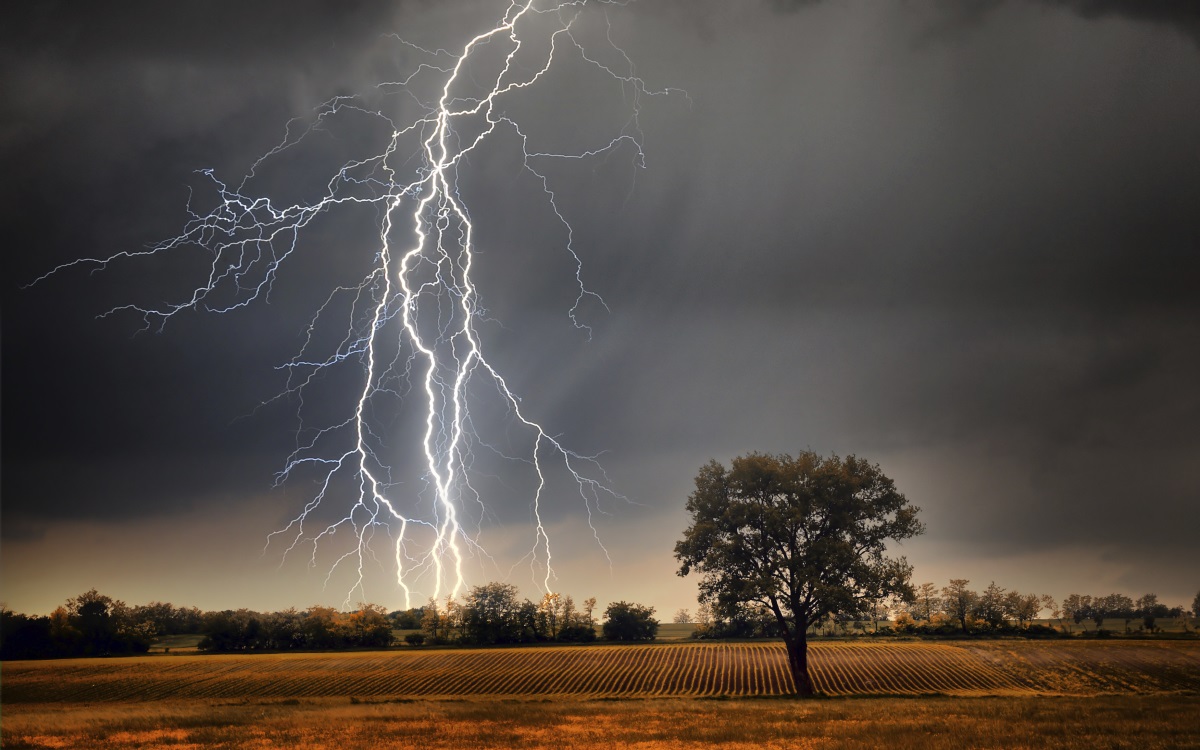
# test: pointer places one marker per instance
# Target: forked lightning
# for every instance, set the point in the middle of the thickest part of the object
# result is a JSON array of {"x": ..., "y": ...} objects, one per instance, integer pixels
[{"x": 413, "y": 317}]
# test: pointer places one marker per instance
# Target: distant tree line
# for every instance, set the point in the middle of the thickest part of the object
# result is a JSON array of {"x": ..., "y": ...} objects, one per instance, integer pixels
[
  {"x": 96, "y": 625},
  {"x": 1146, "y": 611},
  {"x": 92, "y": 624},
  {"x": 958, "y": 609},
  {"x": 492, "y": 614},
  {"x": 316, "y": 628}
]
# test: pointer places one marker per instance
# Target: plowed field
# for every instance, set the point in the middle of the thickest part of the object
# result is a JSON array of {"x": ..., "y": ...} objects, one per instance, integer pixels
[{"x": 662, "y": 670}]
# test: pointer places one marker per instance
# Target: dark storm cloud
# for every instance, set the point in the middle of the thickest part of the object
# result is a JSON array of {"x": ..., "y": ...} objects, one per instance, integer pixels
[
  {"x": 1000, "y": 266},
  {"x": 1183, "y": 15},
  {"x": 215, "y": 32},
  {"x": 969, "y": 254}
]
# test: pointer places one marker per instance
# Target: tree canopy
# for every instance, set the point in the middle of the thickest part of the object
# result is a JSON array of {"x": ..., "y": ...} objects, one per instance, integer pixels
[
  {"x": 625, "y": 621},
  {"x": 804, "y": 537}
]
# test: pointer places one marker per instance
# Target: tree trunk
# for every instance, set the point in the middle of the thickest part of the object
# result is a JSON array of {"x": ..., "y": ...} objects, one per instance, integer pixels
[{"x": 797, "y": 650}]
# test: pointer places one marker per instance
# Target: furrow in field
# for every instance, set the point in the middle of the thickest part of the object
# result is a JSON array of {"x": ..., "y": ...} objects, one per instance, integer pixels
[
  {"x": 600, "y": 681},
  {"x": 673, "y": 667},
  {"x": 868, "y": 678},
  {"x": 818, "y": 667},
  {"x": 922, "y": 669},
  {"x": 839, "y": 676},
  {"x": 754, "y": 664},
  {"x": 457, "y": 679},
  {"x": 627, "y": 678},
  {"x": 490, "y": 678},
  {"x": 556, "y": 673},
  {"x": 839, "y": 668},
  {"x": 694, "y": 677},
  {"x": 707, "y": 685},
  {"x": 782, "y": 672},
  {"x": 906, "y": 669},
  {"x": 670, "y": 667},
  {"x": 721, "y": 670},
  {"x": 938, "y": 670},
  {"x": 480, "y": 676},
  {"x": 919, "y": 669},
  {"x": 994, "y": 672}
]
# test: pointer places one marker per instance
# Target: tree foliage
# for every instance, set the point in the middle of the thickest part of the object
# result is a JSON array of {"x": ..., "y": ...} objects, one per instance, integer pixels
[
  {"x": 804, "y": 537},
  {"x": 491, "y": 614},
  {"x": 959, "y": 601},
  {"x": 624, "y": 621},
  {"x": 926, "y": 603}
]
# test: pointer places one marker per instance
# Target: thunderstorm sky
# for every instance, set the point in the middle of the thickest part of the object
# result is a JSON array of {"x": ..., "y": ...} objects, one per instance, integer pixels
[{"x": 956, "y": 238}]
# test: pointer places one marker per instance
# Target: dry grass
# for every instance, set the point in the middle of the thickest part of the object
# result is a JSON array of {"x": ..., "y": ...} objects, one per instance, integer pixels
[{"x": 1143, "y": 722}]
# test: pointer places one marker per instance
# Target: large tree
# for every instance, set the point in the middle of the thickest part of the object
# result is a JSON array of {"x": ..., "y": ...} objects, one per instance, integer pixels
[{"x": 804, "y": 537}]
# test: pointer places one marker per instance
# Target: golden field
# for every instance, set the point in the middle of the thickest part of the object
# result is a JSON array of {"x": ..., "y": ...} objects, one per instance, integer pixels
[
  {"x": 1138, "y": 722},
  {"x": 845, "y": 668},
  {"x": 1003, "y": 694}
]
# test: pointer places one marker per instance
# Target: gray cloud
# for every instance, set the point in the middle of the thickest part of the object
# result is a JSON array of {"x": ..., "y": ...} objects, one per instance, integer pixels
[{"x": 968, "y": 255}]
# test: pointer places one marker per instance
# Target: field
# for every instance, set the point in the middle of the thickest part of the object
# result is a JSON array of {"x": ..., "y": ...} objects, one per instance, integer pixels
[
  {"x": 662, "y": 670},
  {"x": 903, "y": 693},
  {"x": 1135, "y": 722}
]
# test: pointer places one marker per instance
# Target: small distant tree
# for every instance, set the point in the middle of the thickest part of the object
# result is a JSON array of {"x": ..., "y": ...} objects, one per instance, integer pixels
[
  {"x": 879, "y": 607},
  {"x": 285, "y": 629},
  {"x": 624, "y": 621},
  {"x": 1023, "y": 608},
  {"x": 1049, "y": 604},
  {"x": 370, "y": 626},
  {"x": 959, "y": 601},
  {"x": 991, "y": 606},
  {"x": 1113, "y": 606},
  {"x": 1196, "y": 606},
  {"x": 527, "y": 615},
  {"x": 926, "y": 602},
  {"x": 64, "y": 635},
  {"x": 1150, "y": 610},
  {"x": 1077, "y": 608},
  {"x": 91, "y": 614},
  {"x": 432, "y": 622},
  {"x": 682, "y": 617},
  {"x": 407, "y": 619},
  {"x": 577, "y": 627},
  {"x": 549, "y": 614},
  {"x": 324, "y": 627},
  {"x": 490, "y": 614},
  {"x": 569, "y": 617},
  {"x": 1098, "y": 613},
  {"x": 704, "y": 622}
]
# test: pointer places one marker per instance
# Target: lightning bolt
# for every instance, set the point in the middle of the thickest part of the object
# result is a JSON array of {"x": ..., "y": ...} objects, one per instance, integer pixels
[{"x": 413, "y": 319}]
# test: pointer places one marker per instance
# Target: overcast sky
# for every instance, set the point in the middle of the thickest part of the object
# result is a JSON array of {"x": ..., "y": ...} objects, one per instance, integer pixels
[{"x": 957, "y": 239}]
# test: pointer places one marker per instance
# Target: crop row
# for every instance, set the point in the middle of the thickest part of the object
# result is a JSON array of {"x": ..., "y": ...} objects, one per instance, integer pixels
[{"x": 738, "y": 669}]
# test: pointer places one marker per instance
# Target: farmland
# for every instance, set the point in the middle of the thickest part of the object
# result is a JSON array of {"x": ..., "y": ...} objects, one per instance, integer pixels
[
  {"x": 931, "y": 695},
  {"x": 1137, "y": 722},
  {"x": 844, "y": 668}
]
